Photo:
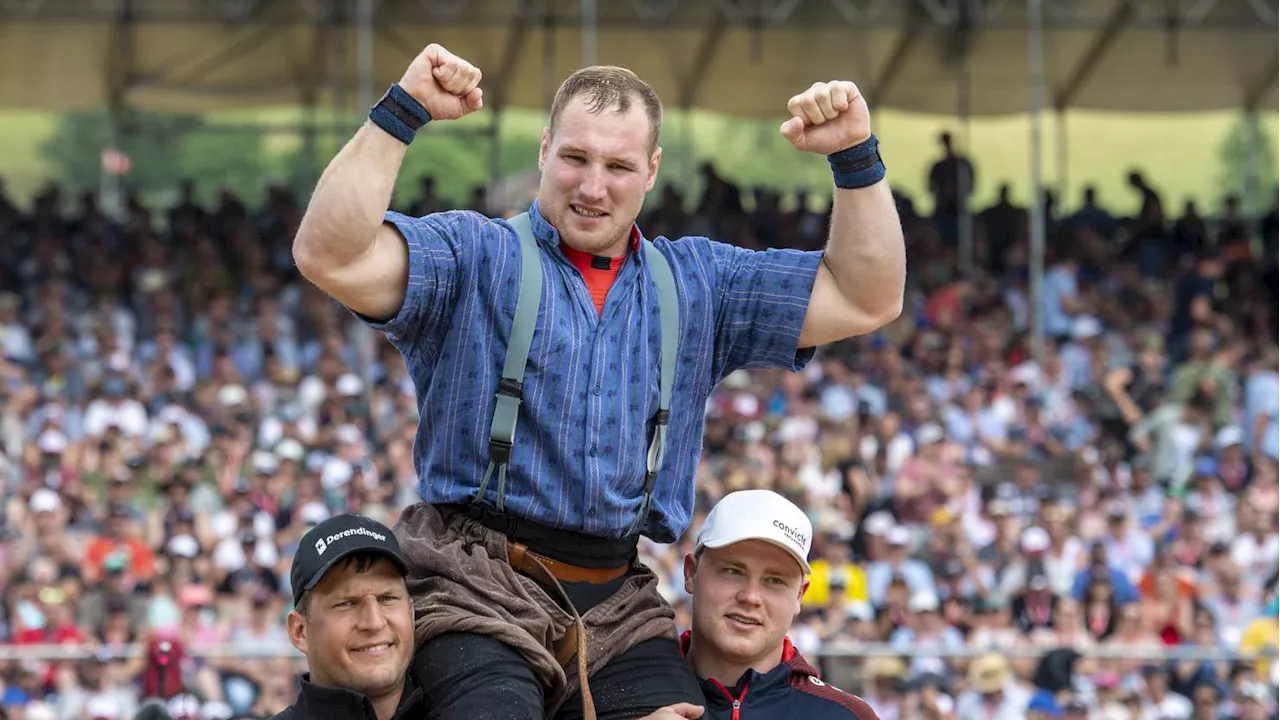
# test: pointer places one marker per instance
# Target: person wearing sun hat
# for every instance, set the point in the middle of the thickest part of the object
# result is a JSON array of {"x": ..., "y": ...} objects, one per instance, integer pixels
[
  {"x": 747, "y": 574},
  {"x": 993, "y": 693}
]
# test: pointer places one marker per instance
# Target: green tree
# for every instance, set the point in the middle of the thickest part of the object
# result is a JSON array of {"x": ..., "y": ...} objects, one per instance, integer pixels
[
  {"x": 163, "y": 150},
  {"x": 153, "y": 143},
  {"x": 1238, "y": 153},
  {"x": 218, "y": 161}
]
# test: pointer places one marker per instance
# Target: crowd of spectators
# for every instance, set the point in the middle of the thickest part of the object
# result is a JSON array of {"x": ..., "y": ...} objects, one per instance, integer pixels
[{"x": 1001, "y": 530}]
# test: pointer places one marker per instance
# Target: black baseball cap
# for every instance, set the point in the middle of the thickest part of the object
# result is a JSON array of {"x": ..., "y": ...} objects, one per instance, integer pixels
[{"x": 341, "y": 536}]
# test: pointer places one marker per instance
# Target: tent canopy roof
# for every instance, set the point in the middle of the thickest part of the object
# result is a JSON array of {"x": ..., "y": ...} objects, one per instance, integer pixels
[{"x": 743, "y": 57}]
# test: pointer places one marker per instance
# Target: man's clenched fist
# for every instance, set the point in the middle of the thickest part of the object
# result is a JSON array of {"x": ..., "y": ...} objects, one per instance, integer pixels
[
  {"x": 446, "y": 85},
  {"x": 827, "y": 118}
]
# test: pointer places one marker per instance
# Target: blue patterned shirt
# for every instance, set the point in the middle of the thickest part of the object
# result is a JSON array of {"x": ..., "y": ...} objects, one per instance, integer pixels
[{"x": 591, "y": 383}]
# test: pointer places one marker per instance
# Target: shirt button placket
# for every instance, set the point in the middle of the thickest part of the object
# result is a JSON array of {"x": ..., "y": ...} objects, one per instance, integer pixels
[{"x": 594, "y": 493}]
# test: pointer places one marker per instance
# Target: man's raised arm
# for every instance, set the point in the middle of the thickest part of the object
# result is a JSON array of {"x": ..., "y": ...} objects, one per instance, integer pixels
[
  {"x": 862, "y": 279},
  {"x": 342, "y": 245}
]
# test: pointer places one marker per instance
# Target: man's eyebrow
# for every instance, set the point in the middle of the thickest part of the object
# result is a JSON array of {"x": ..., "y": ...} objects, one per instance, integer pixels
[
  {"x": 768, "y": 569},
  {"x": 375, "y": 591},
  {"x": 581, "y": 151}
]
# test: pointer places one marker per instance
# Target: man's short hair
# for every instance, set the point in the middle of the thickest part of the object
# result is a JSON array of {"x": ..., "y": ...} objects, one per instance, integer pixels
[{"x": 606, "y": 87}]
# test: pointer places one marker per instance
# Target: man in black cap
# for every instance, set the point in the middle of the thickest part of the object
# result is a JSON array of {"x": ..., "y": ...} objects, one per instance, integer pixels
[{"x": 353, "y": 619}]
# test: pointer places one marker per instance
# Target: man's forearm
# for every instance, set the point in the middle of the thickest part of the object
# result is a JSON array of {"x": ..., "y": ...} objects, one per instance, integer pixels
[
  {"x": 865, "y": 252},
  {"x": 350, "y": 199}
]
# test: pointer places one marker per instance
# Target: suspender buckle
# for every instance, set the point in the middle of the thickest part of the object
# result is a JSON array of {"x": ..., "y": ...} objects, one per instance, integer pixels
[
  {"x": 510, "y": 388},
  {"x": 499, "y": 451},
  {"x": 649, "y": 479},
  {"x": 662, "y": 417}
]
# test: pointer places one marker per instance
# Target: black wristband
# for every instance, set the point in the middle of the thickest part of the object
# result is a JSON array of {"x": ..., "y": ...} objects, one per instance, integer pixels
[
  {"x": 858, "y": 166},
  {"x": 399, "y": 114}
]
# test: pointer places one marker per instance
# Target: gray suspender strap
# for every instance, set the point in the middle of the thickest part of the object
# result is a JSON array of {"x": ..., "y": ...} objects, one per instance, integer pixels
[
  {"x": 669, "y": 310},
  {"x": 503, "y": 430}
]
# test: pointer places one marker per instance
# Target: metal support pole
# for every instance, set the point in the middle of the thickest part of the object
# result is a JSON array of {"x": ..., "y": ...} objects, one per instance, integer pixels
[
  {"x": 549, "y": 60},
  {"x": 1060, "y": 160},
  {"x": 1035, "y": 92},
  {"x": 690, "y": 159},
  {"x": 367, "y": 340},
  {"x": 364, "y": 53},
  {"x": 495, "y": 152},
  {"x": 964, "y": 218},
  {"x": 588, "y": 33},
  {"x": 341, "y": 77},
  {"x": 1250, "y": 206}
]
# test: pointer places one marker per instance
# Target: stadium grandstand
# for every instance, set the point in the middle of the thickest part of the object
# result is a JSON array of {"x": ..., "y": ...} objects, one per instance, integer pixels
[{"x": 1100, "y": 509}]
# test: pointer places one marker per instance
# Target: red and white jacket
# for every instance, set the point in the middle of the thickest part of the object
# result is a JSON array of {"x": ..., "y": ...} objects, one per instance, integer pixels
[{"x": 790, "y": 691}]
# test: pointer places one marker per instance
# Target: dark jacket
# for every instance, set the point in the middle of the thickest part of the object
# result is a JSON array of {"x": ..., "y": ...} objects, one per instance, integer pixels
[
  {"x": 790, "y": 691},
  {"x": 317, "y": 702}
]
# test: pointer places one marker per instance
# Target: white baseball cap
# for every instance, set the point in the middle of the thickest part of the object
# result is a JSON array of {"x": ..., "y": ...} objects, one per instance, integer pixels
[
  {"x": 45, "y": 500},
  {"x": 758, "y": 515},
  {"x": 41, "y": 711},
  {"x": 52, "y": 442},
  {"x": 184, "y": 706},
  {"x": 103, "y": 706},
  {"x": 1034, "y": 540}
]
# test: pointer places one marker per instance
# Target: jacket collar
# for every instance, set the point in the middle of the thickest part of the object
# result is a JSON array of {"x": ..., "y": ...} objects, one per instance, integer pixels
[
  {"x": 755, "y": 685},
  {"x": 325, "y": 703}
]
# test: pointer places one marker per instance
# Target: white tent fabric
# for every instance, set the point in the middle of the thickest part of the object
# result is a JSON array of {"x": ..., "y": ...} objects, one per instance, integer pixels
[{"x": 743, "y": 57}]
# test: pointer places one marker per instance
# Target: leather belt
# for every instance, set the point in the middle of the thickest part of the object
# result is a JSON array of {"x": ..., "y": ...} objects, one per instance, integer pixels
[
  {"x": 574, "y": 641},
  {"x": 527, "y": 561}
]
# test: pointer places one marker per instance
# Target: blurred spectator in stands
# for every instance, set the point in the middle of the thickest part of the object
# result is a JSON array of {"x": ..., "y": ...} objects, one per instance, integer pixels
[{"x": 951, "y": 182}]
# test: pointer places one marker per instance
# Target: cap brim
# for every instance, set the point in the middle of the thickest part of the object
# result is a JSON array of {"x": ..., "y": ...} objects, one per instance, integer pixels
[
  {"x": 324, "y": 569},
  {"x": 725, "y": 542}
]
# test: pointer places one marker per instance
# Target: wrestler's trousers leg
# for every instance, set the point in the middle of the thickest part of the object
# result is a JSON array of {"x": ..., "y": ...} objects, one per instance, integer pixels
[
  {"x": 475, "y": 677},
  {"x": 650, "y": 675}
]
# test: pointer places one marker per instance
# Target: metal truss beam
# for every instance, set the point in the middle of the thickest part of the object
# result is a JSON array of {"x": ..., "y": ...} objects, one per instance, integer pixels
[
  {"x": 1258, "y": 90},
  {"x": 902, "y": 48},
  {"x": 444, "y": 10},
  {"x": 707, "y": 47},
  {"x": 1121, "y": 15},
  {"x": 857, "y": 16},
  {"x": 243, "y": 40},
  {"x": 120, "y": 65},
  {"x": 1265, "y": 11},
  {"x": 21, "y": 9},
  {"x": 517, "y": 34},
  {"x": 656, "y": 12},
  {"x": 758, "y": 12}
]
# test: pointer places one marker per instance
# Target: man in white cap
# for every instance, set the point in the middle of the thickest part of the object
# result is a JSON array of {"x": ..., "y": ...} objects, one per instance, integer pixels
[
  {"x": 184, "y": 707},
  {"x": 104, "y": 707},
  {"x": 747, "y": 575}
]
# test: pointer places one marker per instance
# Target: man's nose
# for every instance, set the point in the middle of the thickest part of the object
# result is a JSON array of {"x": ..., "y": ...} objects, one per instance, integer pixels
[
  {"x": 370, "y": 616},
  {"x": 750, "y": 593},
  {"x": 593, "y": 183}
]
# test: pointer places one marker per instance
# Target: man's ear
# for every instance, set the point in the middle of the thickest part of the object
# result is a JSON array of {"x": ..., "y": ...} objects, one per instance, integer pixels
[
  {"x": 544, "y": 148},
  {"x": 690, "y": 570},
  {"x": 654, "y": 161},
  {"x": 297, "y": 626},
  {"x": 804, "y": 588}
]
